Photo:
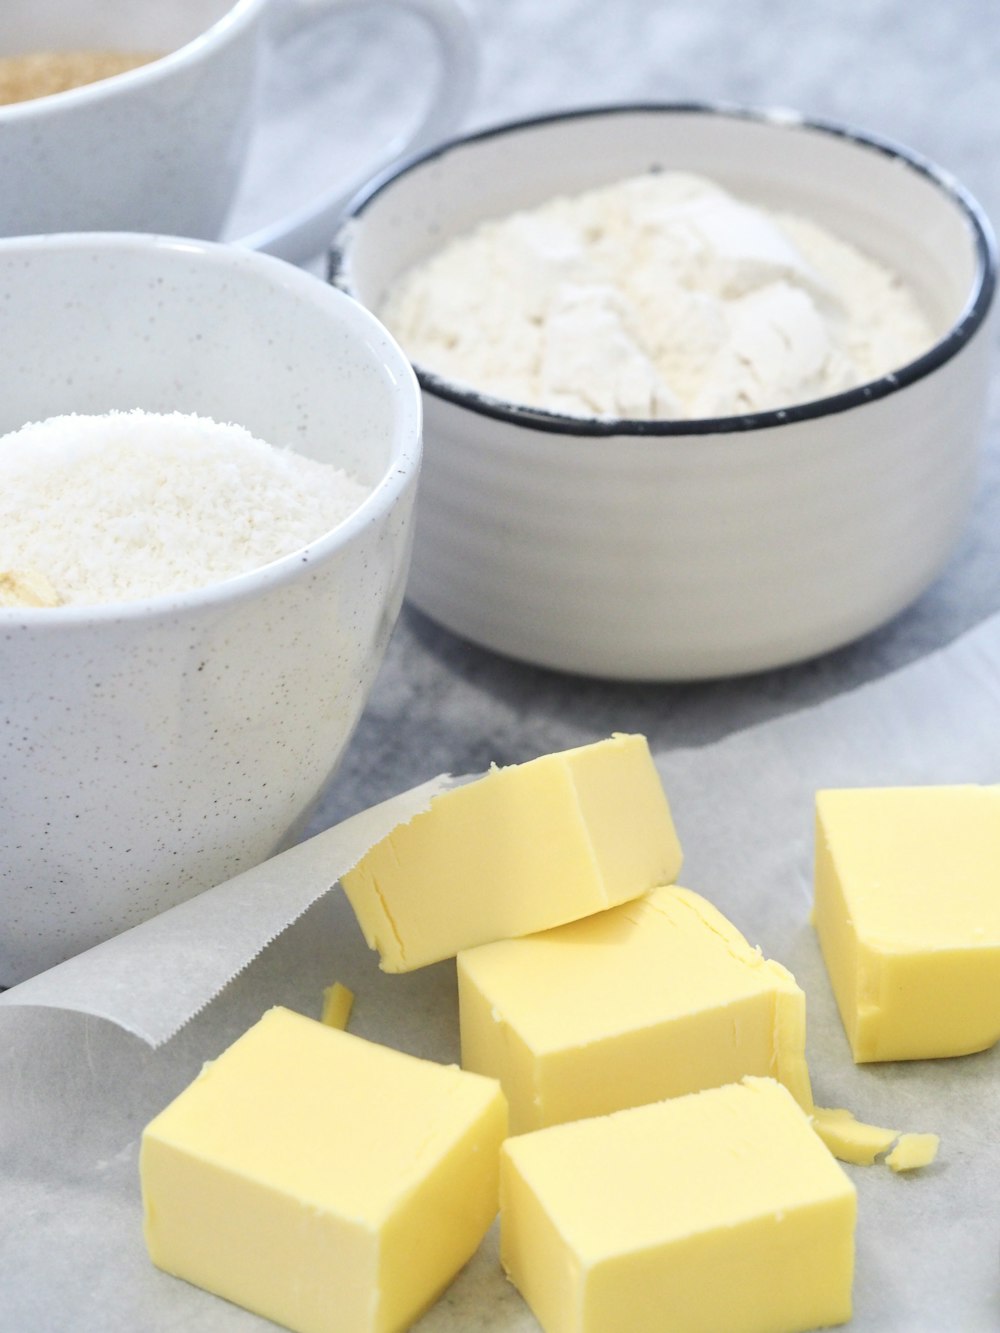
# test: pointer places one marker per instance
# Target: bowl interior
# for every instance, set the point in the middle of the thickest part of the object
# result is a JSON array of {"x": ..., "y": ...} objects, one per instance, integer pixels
[
  {"x": 875, "y": 199},
  {"x": 94, "y": 324}
]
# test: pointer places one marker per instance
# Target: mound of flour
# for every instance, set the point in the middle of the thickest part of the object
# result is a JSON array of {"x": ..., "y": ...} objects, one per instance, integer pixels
[
  {"x": 660, "y": 296},
  {"x": 133, "y": 504}
]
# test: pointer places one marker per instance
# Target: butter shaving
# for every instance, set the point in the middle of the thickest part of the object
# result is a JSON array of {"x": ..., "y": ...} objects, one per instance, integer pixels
[
  {"x": 913, "y": 1151},
  {"x": 851, "y": 1140},
  {"x": 338, "y": 1002}
]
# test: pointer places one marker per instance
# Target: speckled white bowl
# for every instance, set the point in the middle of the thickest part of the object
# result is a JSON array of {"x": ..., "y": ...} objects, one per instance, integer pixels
[
  {"x": 678, "y": 550},
  {"x": 154, "y": 748}
]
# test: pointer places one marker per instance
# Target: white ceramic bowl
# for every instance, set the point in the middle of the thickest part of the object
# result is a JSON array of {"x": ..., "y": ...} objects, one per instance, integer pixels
[
  {"x": 161, "y": 147},
  {"x": 155, "y": 748},
  {"x": 687, "y": 549}
]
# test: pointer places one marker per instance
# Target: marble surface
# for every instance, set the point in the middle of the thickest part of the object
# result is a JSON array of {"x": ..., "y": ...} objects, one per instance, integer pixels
[{"x": 924, "y": 74}]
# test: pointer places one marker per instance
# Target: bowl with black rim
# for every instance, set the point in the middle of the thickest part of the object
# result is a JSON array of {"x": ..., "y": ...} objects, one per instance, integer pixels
[{"x": 692, "y": 548}]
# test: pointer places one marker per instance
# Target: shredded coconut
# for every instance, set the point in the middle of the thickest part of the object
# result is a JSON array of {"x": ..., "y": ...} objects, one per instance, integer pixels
[
  {"x": 133, "y": 504},
  {"x": 660, "y": 296}
]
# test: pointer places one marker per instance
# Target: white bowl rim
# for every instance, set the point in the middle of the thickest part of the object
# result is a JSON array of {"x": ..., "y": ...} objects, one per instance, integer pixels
[
  {"x": 971, "y": 318},
  {"x": 402, "y": 467}
]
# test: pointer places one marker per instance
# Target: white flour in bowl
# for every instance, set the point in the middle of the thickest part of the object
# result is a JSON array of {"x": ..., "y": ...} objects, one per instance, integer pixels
[
  {"x": 132, "y": 504},
  {"x": 661, "y": 296}
]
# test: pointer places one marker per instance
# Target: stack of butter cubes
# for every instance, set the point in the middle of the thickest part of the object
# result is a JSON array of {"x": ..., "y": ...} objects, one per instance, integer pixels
[{"x": 633, "y": 1096}]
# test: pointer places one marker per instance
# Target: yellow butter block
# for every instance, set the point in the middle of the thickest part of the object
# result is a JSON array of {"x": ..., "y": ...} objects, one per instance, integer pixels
[
  {"x": 651, "y": 999},
  {"x": 913, "y": 1151},
  {"x": 907, "y": 910},
  {"x": 320, "y": 1180},
  {"x": 717, "y": 1211},
  {"x": 520, "y": 850}
]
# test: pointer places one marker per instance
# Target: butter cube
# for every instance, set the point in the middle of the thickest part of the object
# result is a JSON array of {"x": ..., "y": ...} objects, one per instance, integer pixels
[
  {"x": 650, "y": 999},
  {"x": 520, "y": 850},
  {"x": 718, "y": 1212},
  {"x": 907, "y": 910},
  {"x": 322, "y": 1181}
]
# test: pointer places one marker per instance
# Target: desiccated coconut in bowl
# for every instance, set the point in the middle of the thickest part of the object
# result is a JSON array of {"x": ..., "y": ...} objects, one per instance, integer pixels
[{"x": 127, "y": 505}]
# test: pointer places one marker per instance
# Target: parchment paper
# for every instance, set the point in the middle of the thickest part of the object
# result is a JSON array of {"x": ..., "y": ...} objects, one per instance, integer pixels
[{"x": 75, "y": 1089}]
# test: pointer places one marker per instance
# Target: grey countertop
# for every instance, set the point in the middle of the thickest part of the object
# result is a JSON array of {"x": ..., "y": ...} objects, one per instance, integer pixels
[{"x": 924, "y": 74}]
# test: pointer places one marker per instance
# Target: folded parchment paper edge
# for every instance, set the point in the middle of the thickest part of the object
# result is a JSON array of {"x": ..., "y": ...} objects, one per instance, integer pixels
[{"x": 154, "y": 978}]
